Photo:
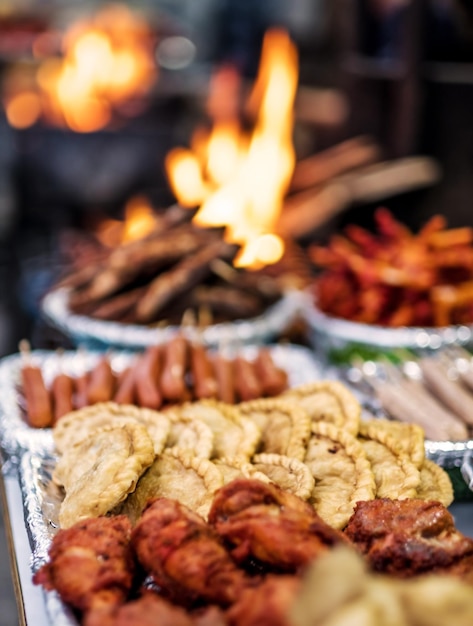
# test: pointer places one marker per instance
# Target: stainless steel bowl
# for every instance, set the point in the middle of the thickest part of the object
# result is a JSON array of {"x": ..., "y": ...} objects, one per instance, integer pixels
[
  {"x": 94, "y": 333},
  {"x": 334, "y": 337}
]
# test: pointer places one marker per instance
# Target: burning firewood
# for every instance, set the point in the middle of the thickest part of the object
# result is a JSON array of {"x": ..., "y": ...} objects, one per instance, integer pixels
[
  {"x": 183, "y": 276},
  {"x": 334, "y": 161}
]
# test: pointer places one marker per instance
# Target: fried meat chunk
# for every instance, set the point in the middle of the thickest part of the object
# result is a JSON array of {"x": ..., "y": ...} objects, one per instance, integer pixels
[
  {"x": 409, "y": 537},
  {"x": 266, "y": 605},
  {"x": 148, "y": 610},
  {"x": 90, "y": 564},
  {"x": 185, "y": 557},
  {"x": 261, "y": 521}
]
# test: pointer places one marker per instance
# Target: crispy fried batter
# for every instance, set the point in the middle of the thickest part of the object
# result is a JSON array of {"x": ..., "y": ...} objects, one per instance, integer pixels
[
  {"x": 185, "y": 556},
  {"x": 266, "y": 605},
  {"x": 409, "y": 537},
  {"x": 148, "y": 610},
  {"x": 90, "y": 564},
  {"x": 261, "y": 521}
]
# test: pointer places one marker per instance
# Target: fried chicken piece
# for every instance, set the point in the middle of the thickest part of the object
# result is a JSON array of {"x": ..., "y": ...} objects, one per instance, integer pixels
[
  {"x": 90, "y": 564},
  {"x": 185, "y": 556},
  {"x": 209, "y": 616},
  {"x": 261, "y": 521},
  {"x": 266, "y": 605},
  {"x": 148, "y": 610},
  {"x": 409, "y": 537}
]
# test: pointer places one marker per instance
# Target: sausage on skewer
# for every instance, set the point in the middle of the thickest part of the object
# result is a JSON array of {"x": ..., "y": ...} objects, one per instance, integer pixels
[
  {"x": 101, "y": 382},
  {"x": 81, "y": 384},
  {"x": 175, "y": 359},
  {"x": 223, "y": 372},
  {"x": 247, "y": 385},
  {"x": 148, "y": 370},
  {"x": 126, "y": 389},
  {"x": 204, "y": 382},
  {"x": 62, "y": 392},
  {"x": 39, "y": 410},
  {"x": 273, "y": 379}
]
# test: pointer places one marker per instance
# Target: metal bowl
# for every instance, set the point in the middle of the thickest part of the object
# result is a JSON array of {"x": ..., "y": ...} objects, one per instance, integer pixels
[
  {"x": 93, "y": 333},
  {"x": 334, "y": 337}
]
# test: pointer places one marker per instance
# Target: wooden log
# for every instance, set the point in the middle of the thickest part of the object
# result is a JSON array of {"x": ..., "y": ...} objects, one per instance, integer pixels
[{"x": 339, "y": 159}]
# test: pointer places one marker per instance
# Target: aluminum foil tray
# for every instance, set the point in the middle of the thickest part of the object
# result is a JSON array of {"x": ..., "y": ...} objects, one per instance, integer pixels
[
  {"x": 16, "y": 436},
  {"x": 447, "y": 454},
  {"x": 83, "y": 330},
  {"x": 41, "y": 501},
  {"x": 35, "y": 450},
  {"x": 331, "y": 336}
]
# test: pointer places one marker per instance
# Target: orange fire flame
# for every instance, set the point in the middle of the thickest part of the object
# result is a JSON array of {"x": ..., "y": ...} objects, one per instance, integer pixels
[
  {"x": 139, "y": 221},
  {"x": 237, "y": 180},
  {"x": 107, "y": 60}
]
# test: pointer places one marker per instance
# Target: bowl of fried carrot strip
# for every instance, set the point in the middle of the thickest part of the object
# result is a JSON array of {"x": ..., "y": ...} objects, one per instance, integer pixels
[{"x": 392, "y": 287}]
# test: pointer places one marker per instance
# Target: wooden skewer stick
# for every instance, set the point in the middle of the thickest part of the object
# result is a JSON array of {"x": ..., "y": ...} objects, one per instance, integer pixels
[
  {"x": 306, "y": 211},
  {"x": 339, "y": 159}
]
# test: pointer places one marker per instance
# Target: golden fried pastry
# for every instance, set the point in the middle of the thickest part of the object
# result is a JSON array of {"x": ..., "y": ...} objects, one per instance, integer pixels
[
  {"x": 236, "y": 467},
  {"x": 435, "y": 483},
  {"x": 176, "y": 474},
  {"x": 342, "y": 473},
  {"x": 78, "y": 425},
  {"x": 189, "y": 433},
  {"x": 284, "y": 426},
  {"x": 328, "y": 401},
  {"x": 395, "y": 475},
  {"x": 290, "y": 474},
  {"x": 234, "y": 434},
  {"x": 410, "y": 438},
  {"x": 99, "y": 472}
]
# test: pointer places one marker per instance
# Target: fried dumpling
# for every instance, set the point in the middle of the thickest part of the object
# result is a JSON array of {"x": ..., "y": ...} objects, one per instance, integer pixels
[
  {"x": 290, "y": 474},
  {"x": 435, "y": 484},
  {"x": 328, "y": 401},
  {"x": 395, "y": 474},
  {"x": 234, "y": 434},
  {"x": 99, "y": 472},
  {"x": 189, "y": 433},
  {"x": 285, "y": 427},
  {"x": 176, "y": 474},
  {"x": 78, "y": 425},
  {"x": 342, "y": 473}
]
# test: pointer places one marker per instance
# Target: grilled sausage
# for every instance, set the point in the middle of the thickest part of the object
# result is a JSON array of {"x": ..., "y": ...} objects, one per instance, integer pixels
[
  {"x": 273, "y": 379},
  {"x": 175, "y": 360},
  {"x": 39, "y": 409},
  {"x": 205, "y": 385},
  {"x": 62, "y": 391},
  {"x": 101, "y": 382},
  {"x": 148, "y": 370}
]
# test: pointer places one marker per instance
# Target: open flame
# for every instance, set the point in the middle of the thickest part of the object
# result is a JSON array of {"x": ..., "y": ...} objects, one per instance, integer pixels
[
  {"x": 239, "y": 180},
  {"x": 107, "y": 59},
  {"x": 139, "y": 221}
]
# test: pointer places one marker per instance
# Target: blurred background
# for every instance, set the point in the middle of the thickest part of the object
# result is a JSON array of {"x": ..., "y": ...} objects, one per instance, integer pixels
[
  {"x": 94, "y": 96},
  {"x": 74, "y": 155}
]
